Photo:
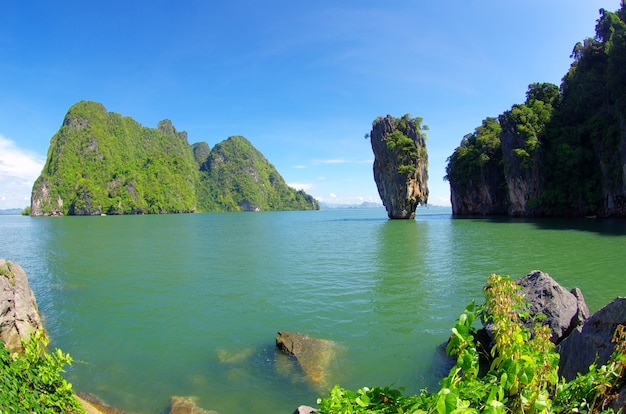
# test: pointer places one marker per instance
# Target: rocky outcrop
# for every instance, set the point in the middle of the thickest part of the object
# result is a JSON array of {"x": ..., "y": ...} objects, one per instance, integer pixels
[
  {"x": 314, "y": 355},
  {"x": 400, "y": 164},
  {"x": 592, "y": 342},
  {"x": 19, "y": 315},
  {"x": 564, "y": 310}
]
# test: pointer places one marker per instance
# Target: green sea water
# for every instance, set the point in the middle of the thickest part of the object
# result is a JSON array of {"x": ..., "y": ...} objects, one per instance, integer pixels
[{"x": 189, "y": 305}]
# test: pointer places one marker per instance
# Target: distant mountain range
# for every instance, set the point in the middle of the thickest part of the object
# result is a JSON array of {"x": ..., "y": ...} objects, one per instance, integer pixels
[
  {"x": 365, "y": 204},
  {"x": 11, "y": 211}
]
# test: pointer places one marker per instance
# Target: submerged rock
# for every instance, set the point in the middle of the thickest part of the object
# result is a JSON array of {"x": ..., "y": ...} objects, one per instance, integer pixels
[
  {"x": 400, "y": 164},
  {"x": 93, "y": 405},
  {"x": 313, "y": 354},
  {"x": 187, "y": 405},
  {"x": 19, "y": 315},
  {"x": 305, "y": 409}
]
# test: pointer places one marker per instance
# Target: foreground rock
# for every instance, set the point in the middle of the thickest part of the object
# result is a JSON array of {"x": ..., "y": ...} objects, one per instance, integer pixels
[
  {"x": 564, "y": 310},
  {"x": 19, "y": 315},
  {"x": 314, "y": 355},
  {"x": 592, "y": 340},
  {"x": 400, "y": 164}
]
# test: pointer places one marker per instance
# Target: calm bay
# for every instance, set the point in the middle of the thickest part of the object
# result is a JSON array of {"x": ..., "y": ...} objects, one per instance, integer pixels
[{"x": 155, "y": 306}]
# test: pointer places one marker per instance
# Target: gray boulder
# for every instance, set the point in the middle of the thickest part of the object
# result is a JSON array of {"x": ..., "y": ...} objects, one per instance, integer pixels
[
  {"x": 19, "y": 315},
  {"x": 564, "y": 310},
  {"x": 593, "y": 341},
  {"x": 314, "y": 355}
]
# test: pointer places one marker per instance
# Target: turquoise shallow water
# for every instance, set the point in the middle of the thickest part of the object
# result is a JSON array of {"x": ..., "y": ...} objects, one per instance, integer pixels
[{"x": 155, "y": 306}]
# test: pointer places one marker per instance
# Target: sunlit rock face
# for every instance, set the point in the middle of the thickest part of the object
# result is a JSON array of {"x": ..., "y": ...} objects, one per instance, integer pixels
[
  {"x": 400, "y": 167},
  {"x": 19, "y": 315}
]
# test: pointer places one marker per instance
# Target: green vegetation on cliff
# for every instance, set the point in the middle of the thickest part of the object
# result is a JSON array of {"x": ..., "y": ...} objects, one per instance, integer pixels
[
  {"x": 237, "y": 177},
  {"x": 405, "y": 149},
  {"x": 563, "y": 151},
  {"x": 100, "y": 162}
]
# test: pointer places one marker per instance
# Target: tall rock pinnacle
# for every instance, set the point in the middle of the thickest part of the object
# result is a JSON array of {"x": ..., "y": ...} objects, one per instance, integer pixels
[{"x": 400, "y": 164}]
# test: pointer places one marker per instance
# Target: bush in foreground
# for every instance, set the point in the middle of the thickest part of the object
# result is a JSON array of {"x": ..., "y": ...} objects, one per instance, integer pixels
[
  {"x": 522, "y": 378},
  {"x": 32, "y": 382}
]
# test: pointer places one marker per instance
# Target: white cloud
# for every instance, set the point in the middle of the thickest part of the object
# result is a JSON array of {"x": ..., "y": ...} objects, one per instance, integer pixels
[
  {"x": 301, "y": 186},
  {"x": 299, "y": 166},
  {"x": 18, "y": 171},
  {"x": 333, "y": 195},
  {"x": 331, "y": 161}
]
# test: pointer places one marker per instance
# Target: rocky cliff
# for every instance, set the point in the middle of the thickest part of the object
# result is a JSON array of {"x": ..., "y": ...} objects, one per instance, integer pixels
[
  {"x": 100, "y": 162},
  {"x": 475, "y": 173},
  {"x": 400, "y": 164},
  {"x": 19, "y": 314},
  {"x": 523, "y": 168},
  {"x": 563, "y": 151}
]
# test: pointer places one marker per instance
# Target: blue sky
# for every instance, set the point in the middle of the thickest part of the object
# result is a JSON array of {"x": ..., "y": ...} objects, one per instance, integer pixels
[{"x": 303, "y": 81}]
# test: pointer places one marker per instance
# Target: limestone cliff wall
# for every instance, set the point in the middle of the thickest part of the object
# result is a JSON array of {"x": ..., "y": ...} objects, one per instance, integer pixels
[
  {"x": 522, "y": 174},
  {"x": 613, "y": 169}
]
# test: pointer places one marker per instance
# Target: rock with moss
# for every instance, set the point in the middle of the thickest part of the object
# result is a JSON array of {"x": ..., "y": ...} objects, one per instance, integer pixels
[
  {"x": 400, "y": 164},
  {"x": 19, "y": 314},
  {"x": 315, "y": 355}
]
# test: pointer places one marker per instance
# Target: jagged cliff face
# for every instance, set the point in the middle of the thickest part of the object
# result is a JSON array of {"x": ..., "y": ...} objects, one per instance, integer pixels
[
  {"x": 481, "y": 198},
  {"x": 475, "y": 173},
  {"x": 521, "y": 173},
  {"x": 400, "y": 165},
  {"x": 612, "y": 162}
]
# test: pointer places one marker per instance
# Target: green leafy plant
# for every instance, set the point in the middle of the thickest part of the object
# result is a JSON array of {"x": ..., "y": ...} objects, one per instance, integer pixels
[
  {"x": 522, "y": 376},
  {"x": 32, "y": 381}
]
